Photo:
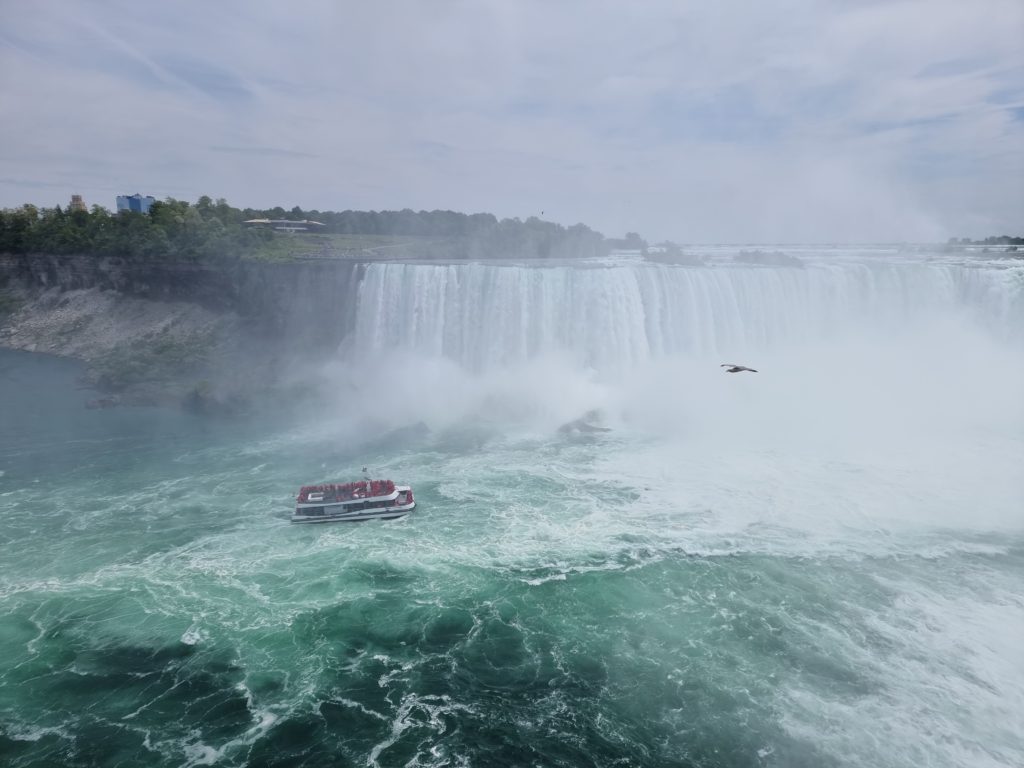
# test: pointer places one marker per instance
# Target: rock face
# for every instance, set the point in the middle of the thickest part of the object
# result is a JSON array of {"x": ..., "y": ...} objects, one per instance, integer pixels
[
  {"x": 87, "y": 322},
  {"x": 173, "y": 332},
  {"x": 295, "y": 298},
  {"x": 588, "y": 423}
]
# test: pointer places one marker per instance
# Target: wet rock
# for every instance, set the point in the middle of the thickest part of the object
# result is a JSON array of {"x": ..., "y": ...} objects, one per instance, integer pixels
[{"x": 588, "y": 423}]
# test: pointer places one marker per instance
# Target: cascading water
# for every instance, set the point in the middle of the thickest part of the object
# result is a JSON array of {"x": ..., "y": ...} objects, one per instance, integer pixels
[
  {"x": 818, "y": 565},
  {"x": 612, "y": 315}
]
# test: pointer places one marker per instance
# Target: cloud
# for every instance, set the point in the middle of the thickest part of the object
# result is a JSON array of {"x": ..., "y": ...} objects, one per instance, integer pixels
[
  {"x": 264, "y": 151},
  {"x": 810, "y": 121}
]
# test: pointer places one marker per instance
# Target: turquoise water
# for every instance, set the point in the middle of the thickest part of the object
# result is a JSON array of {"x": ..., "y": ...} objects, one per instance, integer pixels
[{"x": 823, "y": 566}]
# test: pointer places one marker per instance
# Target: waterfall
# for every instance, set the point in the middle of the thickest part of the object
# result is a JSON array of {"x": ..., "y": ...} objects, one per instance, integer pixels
[{"x": 621, "y": 313}]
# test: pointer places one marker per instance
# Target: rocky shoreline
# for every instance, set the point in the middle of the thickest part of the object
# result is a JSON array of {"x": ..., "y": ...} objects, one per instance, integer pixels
[{"x": 212, "y": 340}]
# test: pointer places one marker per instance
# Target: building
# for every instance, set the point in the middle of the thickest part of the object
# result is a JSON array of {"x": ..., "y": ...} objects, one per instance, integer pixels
[
  {"x": 77, "y": 204},
  {"x": 284, "y": 225},
  {"x": 136, "y": 203}
]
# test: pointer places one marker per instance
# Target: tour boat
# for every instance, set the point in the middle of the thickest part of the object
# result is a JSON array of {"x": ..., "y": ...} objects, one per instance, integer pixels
[{"x": 362, "y": 500}]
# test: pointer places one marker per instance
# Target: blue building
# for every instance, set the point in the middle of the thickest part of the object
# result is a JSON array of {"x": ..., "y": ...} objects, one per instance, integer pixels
[{"x": 136, "y": 203}]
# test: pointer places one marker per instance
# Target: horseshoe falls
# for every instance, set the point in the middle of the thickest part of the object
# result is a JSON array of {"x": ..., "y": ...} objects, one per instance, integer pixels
[
  {"x": 623, "y": 555},
  {"x": 609, "y": 316}
]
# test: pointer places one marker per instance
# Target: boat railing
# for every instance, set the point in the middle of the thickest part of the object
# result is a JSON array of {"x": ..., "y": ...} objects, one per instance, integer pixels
[{"x": 339, "y": 492}]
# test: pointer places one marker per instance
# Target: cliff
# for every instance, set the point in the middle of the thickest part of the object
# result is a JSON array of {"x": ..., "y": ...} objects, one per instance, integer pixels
[{"x": 175, "y": 331}]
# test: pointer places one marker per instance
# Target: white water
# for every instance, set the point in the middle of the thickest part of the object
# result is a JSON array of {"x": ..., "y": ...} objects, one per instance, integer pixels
[
  {"x": 883, "y": 383},
  {"x": 611, "y": 316}
]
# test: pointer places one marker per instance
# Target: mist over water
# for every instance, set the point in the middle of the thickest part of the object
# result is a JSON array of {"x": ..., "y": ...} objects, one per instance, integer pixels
[{"x": 820, "y": 564}]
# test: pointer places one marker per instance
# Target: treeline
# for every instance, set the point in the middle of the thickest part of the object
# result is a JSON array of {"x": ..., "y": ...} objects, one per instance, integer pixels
[
  {"x": 171, "y": 229},
  {"x": 405, "y": 222},
  {"x": 476, "y": 235},
  {"x": 993, "y": 240},
  {"x": 209, "y": 229}
]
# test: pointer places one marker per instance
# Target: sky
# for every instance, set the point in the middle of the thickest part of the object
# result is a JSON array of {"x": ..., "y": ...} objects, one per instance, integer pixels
[{"x": 735, "y": 122}]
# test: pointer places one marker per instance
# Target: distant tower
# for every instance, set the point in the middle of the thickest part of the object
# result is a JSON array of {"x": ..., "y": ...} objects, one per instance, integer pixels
[{"x": 77, "y": 204}]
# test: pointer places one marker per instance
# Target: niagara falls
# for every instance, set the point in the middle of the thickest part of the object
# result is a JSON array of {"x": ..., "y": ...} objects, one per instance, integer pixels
[{"x": 512, "y": 384}]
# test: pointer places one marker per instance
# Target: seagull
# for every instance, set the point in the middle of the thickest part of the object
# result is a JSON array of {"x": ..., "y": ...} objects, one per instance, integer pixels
[{"x": 733, "y": 368}]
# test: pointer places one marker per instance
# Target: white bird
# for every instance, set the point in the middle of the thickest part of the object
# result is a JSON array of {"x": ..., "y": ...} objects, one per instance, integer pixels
[{"x": 733, "y": 368}]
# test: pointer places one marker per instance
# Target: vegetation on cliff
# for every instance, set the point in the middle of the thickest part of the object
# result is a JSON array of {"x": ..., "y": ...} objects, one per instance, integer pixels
[
  {"x": 213, "y": 230},
  {"x": 157, "y": 358},
  {"x": 9, "y": 303}
]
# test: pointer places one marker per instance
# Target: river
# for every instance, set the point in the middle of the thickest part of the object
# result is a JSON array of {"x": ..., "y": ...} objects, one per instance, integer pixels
[{"x": 820, "y": 564}]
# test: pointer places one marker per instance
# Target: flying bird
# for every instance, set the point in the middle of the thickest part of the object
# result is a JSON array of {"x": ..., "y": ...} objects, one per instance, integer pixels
[{"x": 733, "y": 368}]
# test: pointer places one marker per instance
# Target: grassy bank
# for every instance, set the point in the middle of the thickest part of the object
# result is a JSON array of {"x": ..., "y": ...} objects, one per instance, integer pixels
[{"x": 309, "y": 245}]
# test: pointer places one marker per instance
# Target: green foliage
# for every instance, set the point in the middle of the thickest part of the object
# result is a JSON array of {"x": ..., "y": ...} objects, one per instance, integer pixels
[
  {"x": 631, "y": 242},
  {"x": 318, "y": 245},
  {"x": 212, "y": 230},
  {"x": 173, "y": 229},
  {"x": 157, "y": 358},
  {"x": 9, "y": 304}
]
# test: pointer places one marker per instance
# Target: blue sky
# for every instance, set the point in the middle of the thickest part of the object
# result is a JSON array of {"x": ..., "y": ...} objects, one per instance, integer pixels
[{"x": 790, "y": 121}]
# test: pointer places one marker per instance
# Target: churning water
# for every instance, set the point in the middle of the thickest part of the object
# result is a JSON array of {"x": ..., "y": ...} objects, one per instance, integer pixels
[{"x": 821, "y": 564}]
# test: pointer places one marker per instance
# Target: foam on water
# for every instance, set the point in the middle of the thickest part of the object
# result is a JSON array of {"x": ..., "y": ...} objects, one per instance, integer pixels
[{"x": 819, "y": 565}]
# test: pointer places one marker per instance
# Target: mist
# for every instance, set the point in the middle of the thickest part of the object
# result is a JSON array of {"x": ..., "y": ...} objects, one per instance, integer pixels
[{"x": 903, "y": 380}]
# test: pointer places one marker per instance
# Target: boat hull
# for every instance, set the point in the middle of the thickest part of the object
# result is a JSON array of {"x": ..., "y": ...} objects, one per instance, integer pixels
[{"x": 342, "y": 515}]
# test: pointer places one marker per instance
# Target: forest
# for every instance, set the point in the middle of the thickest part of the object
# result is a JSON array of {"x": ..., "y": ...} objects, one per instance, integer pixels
[{"x": 210, "y": 230}]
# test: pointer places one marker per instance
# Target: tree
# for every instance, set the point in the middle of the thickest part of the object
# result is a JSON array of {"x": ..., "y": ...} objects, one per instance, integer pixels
[
  {"x": 208, "y": 230},
  {"x": 634, "y": 242}
]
